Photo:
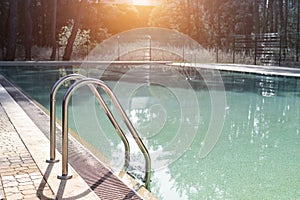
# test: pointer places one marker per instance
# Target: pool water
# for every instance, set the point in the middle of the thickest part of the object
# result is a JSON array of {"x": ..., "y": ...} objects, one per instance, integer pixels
[{"x": 257, "y": 155}]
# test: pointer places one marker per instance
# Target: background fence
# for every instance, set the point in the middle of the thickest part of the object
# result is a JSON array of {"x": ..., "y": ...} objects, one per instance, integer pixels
[{"x": 267, "y": 49}]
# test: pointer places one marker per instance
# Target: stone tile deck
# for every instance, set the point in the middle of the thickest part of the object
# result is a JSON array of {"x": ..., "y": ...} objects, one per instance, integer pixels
[
  {"x": 24, "y": 174},
  {"x": 20, "y": 176}
]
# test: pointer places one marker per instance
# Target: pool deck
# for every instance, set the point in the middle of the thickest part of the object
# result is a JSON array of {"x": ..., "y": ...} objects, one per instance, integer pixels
[{"x": 24, "y": 174}]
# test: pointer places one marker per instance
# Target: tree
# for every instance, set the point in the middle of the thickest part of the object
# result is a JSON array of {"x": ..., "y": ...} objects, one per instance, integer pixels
[
  {"x": 118, "y": 18},
  {"x": 256, "y": 16},
  {"x": 71, "y": 39},
  {"x": 27, "y": 29},
  {"x": 4, "y": 11},
  {"x": 12, "y": 30},
  {"x": 53, "y": 30},
  {"x": 177, "y": 16},
  {"x": 298, "y": 31},
  {"x": 213, "y": 23}
]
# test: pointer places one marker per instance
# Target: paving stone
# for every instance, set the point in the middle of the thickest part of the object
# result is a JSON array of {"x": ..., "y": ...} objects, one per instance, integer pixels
[
  {"x": 22, "y": 176},
  {"x": 1, "y": 190},
  {"x": 34, "y": 175},
  {"x": 31, "y": 170},
  {"x": 11, "y": 190},
  {"x": 8, "y": 171},
  {"x": 30, "y": 191},
  {"x": 30, "y": 196},
  {"x": 8, "y": 178},
  {"x": 4, "y": 166},
  {"x": 19, "y": 175},
  {"x": 10, "y": 184},
  {"x": 31, "y": 166},
  {"x": 21, "y": 168},
  {"x": 15, "y": 196},
  {"x": 23, "y": 180},
  {"x": 26, "y": 187},
  {"x": 13, "y": 166}
]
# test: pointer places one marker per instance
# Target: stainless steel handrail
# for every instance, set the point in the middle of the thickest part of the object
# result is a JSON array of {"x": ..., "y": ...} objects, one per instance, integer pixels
[
  {"x": 54, "y": 90},
  {"x": 115, "y": 124},
  {"x": 108, "y": 91}
]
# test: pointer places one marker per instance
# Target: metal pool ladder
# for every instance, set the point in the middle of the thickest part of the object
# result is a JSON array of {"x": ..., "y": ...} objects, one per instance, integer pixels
[
  {"x": 90, "y": 82},
  {"x": 54, "y": 90}
]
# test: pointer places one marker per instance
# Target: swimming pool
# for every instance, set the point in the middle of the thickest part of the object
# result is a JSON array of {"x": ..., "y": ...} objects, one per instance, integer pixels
[{"x": 256, "y": 157}]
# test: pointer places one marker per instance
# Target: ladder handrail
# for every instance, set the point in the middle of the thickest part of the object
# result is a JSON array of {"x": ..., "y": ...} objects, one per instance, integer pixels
[
  {"x": 54, "y": 90},
  {"x": 108, "y": 91},
  {"x": 115, "y": 124}
]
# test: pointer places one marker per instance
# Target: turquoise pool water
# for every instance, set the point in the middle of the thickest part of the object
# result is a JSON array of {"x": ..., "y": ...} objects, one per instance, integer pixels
[{"x": 257, "y": 155}]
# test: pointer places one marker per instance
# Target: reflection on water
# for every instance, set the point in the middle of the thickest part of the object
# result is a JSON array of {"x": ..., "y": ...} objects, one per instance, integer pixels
[{"x": 256, "y": 157}]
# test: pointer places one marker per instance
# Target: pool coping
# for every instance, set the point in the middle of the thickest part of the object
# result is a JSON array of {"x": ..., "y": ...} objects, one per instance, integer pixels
[
  {"x": 77, "y": 187},
  {"x": 242, "y": 68}
]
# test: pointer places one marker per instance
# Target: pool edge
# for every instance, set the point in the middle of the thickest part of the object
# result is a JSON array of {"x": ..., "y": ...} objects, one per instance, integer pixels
[{"x": 42, "y": 155}]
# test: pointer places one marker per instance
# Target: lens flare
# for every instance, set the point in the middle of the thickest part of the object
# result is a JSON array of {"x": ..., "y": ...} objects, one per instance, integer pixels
[{"x": 141, "y": 2}]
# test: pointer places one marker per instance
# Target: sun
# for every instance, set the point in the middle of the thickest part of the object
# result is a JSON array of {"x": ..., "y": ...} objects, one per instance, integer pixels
[{"x": 141, "y": 2}]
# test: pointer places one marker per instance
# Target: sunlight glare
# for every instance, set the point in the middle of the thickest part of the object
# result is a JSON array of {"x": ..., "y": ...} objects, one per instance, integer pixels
[{"x": 141, "y": 2}]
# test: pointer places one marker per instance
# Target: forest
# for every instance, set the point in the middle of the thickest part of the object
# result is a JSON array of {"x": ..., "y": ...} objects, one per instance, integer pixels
[{"x": 29, "y": 25}]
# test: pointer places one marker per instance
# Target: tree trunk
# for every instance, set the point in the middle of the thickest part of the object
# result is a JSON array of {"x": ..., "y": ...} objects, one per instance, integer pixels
[
  {"x": 53, "y": 30},
  {"x": 271, "y": 16},
  {"x": 197, "y": 12},
  {"x": 45, "y": 24},
  {"x": 256, "y": 17},
  {"x": 264, "y": 12},
  {"x": 218, "y": 28},
  {"x": 12, "y": 30},
  {"x": 286, "y": 22},
  {"x": 276, "y": 17},
  {"x": 4, "y": 9},
  {"x": 28, "y": 29},
  {"x": 281, "y": 16},
  {"x": 298, "y": 30},
  {"x": 40, "y": 18},
  {"x": 71, "y": 39}
]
